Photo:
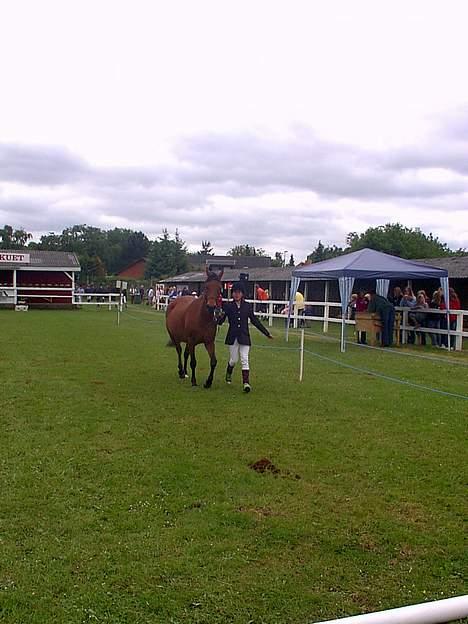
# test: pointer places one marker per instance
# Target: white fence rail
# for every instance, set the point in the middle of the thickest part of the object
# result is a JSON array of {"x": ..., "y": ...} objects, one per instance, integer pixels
[
  {"x": 97, "y": 299},
  {"x": 272, "y": 309}
]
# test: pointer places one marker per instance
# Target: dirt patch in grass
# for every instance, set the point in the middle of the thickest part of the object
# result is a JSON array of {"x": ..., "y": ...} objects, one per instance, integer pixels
[
  {"x": 411, "y": 513},
  {"x": 264, "y": 465}
]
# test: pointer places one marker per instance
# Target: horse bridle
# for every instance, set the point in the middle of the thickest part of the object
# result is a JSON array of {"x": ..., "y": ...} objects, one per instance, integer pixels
[{"x": 217, "y": 309}]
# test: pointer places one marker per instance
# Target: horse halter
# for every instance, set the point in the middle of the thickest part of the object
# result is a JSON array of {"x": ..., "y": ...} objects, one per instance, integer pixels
[{"x": 212, "y": 278}]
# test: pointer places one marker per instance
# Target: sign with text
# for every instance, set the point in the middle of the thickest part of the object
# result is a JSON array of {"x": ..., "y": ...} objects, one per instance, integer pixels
[{"x": 13, "y": 258}]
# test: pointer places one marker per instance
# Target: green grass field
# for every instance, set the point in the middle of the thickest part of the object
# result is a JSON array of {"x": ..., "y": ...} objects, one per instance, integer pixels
[{"x": 127, "y": 495}]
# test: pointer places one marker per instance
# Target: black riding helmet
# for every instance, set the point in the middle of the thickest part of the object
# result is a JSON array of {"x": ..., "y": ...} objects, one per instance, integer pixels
[{"x": 238, "y": 286}]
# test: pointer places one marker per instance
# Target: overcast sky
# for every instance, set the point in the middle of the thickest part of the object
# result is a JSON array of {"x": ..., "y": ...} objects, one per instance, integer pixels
[{"x": 273, "y": 123}]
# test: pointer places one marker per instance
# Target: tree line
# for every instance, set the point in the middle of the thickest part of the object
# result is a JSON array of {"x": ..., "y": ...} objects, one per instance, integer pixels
[
  {"x": 391, "y": 238},
  {"x": 106, "y": 252}
]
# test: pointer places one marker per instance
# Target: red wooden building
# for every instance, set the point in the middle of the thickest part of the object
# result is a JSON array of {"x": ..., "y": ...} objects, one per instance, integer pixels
[
  {"x": 37, "y": 278},
  {"x": 134, "y": 271}
]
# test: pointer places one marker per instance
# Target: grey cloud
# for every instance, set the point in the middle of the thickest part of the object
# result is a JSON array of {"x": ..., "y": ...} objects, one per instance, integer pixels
[
  {"x": 446, "y": 148},
  {"x": 306, "y": 163},
  {"x": 40, "y": 165},
  {"x": 237, "y": 170}
]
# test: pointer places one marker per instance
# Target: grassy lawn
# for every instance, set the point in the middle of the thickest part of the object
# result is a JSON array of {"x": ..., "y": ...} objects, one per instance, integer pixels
[{"x": 127, "y": 495}]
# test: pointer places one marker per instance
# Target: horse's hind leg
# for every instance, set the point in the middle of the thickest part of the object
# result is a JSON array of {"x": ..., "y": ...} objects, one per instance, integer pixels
[
  {"x": 193, "y": 363},
  {"x": 186, "y": 357},
  {"x": 210, "y": 347},
  {"x": 179, "y": 356}
]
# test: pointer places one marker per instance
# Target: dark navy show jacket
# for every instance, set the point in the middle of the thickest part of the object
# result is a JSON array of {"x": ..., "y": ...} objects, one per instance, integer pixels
[{"x": 238, "y": 317}]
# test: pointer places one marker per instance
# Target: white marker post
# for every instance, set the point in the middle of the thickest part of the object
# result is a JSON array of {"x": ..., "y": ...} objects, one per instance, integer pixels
[
  {"x": 426, "y": 613},
  {"x": 118, "y": 283},
  {"x": 301, "y": 363}
]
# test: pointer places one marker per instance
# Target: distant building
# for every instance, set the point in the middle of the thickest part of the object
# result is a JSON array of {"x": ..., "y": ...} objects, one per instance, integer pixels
[
  {"x": 37, "y": 278},
  {"x": 196, "y": 262},
  {"x": 134, "y": 271},
  {"x": 199, "y": 261}
]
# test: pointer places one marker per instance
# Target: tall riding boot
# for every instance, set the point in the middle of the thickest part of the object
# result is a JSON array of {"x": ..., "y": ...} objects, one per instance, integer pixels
[
  {"x": 245, "y": 380},
  {"x": 229, "y": 370}
]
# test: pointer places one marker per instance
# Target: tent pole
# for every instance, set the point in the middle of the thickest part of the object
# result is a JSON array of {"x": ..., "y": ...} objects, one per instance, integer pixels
[
  {"x": 326, "y": 309},
  {"x": 343, "y": 325}
]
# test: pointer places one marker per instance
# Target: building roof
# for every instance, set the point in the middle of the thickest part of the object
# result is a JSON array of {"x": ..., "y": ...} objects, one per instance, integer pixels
[
  {"x": 262, "y": 274},
  {"x": 43, "y": 259},
  {"x": 242, "y": 262},
  {"x": 131, "y": 264},
  {"x": 457, "y": 266}
]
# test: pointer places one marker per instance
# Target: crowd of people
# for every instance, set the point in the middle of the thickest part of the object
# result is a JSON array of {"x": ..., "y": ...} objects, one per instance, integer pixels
[{"x": 424, "y": 312}]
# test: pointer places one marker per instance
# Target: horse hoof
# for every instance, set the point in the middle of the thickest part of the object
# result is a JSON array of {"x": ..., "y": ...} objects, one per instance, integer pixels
[
  {"x": 207, "y": 385},
  {"x": 186, "y": 376}
]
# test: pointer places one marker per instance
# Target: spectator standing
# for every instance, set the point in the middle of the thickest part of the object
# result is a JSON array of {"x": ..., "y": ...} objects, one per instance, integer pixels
[
  {"x": 454, "y": 304},
  {"x": 299, "y": 307},
  {"x": 409, "y": 301},
  {"x": 361, "y": 306},
  {"x": 397, "y": 296},
  {"x": 418, "y": 314},
  {"x": 260, "y": 295},
  {"x": 352, "y": 307},
  {"x": 433, "y": 319},
  {"x": 386, "y": 312}
]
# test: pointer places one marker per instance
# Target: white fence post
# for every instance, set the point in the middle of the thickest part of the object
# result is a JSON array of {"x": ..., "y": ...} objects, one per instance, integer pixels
[
  {"x": 459, "y": 329},
  {"x": 404, "y": 322},
  {"x": 326, "y": 311}
]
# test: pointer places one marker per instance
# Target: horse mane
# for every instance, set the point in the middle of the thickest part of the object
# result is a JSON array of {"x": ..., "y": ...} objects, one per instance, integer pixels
[{"x": 212, "y": 277}]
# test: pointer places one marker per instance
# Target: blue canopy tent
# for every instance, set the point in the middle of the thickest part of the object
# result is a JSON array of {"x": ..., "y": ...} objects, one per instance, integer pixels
[{"x": 364, "y": 264}]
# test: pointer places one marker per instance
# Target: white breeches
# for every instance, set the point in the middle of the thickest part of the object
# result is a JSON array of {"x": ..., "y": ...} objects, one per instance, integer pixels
[{"x": 237, "y": 349}]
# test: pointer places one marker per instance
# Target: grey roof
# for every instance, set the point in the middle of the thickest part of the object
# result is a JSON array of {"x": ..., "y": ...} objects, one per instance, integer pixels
[
  {"x": 241, "y": 261},
  {"x": 457, "y": 266},
  {"x": 265, "y": 274},
  {"x": 44, "y": 259}
]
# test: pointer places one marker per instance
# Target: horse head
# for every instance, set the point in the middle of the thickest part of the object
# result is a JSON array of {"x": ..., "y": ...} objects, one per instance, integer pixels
[{"x": 212, "y": 290}]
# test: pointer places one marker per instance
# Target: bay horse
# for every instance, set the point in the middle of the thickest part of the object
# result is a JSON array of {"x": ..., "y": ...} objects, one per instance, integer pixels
[{"x": 192, "y": 320}]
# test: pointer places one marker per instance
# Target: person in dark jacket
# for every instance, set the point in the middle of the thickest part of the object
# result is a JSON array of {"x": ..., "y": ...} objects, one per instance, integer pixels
[
  {"x": 386, "y": 311},
  {"x": 238, "y": 312}
]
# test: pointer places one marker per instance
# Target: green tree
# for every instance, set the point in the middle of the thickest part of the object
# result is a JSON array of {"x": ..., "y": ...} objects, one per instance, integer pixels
[
  {"x": 277, "y": 260},
  {"x": 206, "y": 248},
  {"x": 168, "y": 256},
  {"x": 246, "y": 250},
  {"x": 99, "y": 251},
  {"x": 397, "y": 240},
  {"x": 123, "y": 247},
  {"x": 13, "y": 239},
  {"x": 321, "y": 252}
]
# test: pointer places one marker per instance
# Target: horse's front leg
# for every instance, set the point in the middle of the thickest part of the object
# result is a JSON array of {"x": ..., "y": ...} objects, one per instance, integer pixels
[
  {"x": 210, "y": 347},
  {"x": 193, "y": 362},
  {"x": 186, "y": 357}
]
